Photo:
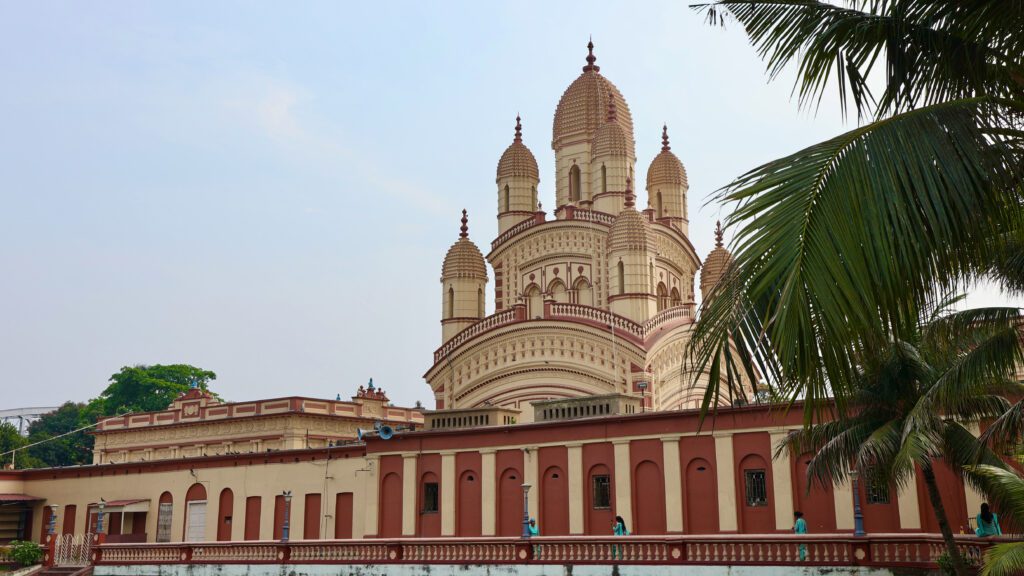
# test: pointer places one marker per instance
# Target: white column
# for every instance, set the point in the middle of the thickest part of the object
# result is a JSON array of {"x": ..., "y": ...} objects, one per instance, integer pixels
[
  {"x": 724, "y": 468},
  {"x": 623, "y": 482},
  {"x": 973, "y": 498},
  {"x": 530, "y": 465},
  {"x": 409, "y": 495},
  {"x": 488, "y": 494},
  {"x": 842, "y": 494},
  {"x": 910, "y": 510},
  {"x": 371, "y": 501},
  {"x": 577, "y": 488},
  {"x": 447, "y": 493},
  {"x": 673, "y": 484},
  {"x": 782, "y": 483}
]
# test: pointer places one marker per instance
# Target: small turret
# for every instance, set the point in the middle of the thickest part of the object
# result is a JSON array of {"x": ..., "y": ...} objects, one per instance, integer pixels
[
  {"x": 463, "y": 278},
  {"x": 612, "y": 163},
  {"x": 631, "y": 253},
  {"x": 715, "y": 265},
  {"x": 517, "y": 181},
  {"x": 667, "y": 187}
]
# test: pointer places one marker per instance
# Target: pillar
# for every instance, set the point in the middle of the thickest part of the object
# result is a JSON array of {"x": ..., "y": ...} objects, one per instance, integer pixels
[
  {"x": 673, "y": 484},
  {"x": 725, "y": 468},
  {"x": 910, "y": 511},
  {"x": 782, "y": 483},
  {"x": 530, "y": 465},
  {"x": 623, "y": 482},
  {"x": 447, "y": 493},
  {"x": 577, "y": 488},
  {"x": 842, "y": 494},
  {"x": 488, "y": 492},
  {"x": 973, "y": 498},
  {"x": 409, "y": 504},
  {"x": 372, "y": 499}
]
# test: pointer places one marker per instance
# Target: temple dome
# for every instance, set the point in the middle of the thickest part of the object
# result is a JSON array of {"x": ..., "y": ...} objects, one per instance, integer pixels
[
  {"x": 666, "y": 169},
  {"x": 715, "y": 264},
  {"x": 630, "y": 231},
  {"x": 611, "y": 139},
  {"x": 464, "y": 259},
  {"x": 517, "y": 160},
  {"x": 582, "y": 109}
]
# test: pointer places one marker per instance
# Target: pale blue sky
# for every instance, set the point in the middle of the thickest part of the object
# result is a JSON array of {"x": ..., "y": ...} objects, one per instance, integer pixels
[{"x": 267, "y": 190}]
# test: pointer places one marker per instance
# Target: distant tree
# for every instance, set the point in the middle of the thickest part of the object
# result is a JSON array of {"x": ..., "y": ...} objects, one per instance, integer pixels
[
  {"x": 11, "y": 440},
  {"x": 149, "y": 388},
  {"x": 60, "y": 450}
]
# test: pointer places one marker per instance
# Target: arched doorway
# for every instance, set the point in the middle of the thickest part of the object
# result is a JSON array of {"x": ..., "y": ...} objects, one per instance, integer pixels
[
  {"x": 195, "y": 513},
  {"x": 164, "y": 516},
  {"x": 600, "y": 498},
  {"x": 510, "y": 503},
  {"x": 754, "y": 496},
  {"x": 818, "y": 504},
  {"x": 648, "y": 499},
  {"x": 467, "y": 505},
  {"x": 225, "y": 514},
  {"x": 429, "y": 508},
  {"x": 701, "y": 498},
  {"x": 558, "y": 291},
  {"x": 534, "y": 302},
  {"x": 554, "y": 498},
  {"x": 584, "y": 292},
  {"x": 391, "y": 506}
]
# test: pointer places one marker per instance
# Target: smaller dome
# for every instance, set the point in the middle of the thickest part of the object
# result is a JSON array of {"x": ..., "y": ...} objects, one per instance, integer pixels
[
  {"x": 517, "y": 160},
  {"x": 464, "y": 259},
  {"x": 630, "y": 231},
  {"x": 611, "y": 139},
  {"x": 715, "y": 264},
  {"x": 666, "y": 169}
]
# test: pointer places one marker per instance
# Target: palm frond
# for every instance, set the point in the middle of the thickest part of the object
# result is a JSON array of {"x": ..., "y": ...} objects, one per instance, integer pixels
[
  {"x": 1006, "y": 432},
  {"x": 1005, "y": 490},
  {"x": 1004, "y": 560}
]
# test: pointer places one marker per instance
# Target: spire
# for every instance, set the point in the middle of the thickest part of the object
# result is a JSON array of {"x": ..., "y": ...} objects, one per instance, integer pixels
[
  {"x": 591, "y": 58},
  {"x": 611, "y": 107},
  {"x": 464, "y": 229},
  {"x": 718, "y": 234},
  {"x": 664, "y": 138},
  {"x": 629, "y": 193},
  {"x": 519, "y": 130}
]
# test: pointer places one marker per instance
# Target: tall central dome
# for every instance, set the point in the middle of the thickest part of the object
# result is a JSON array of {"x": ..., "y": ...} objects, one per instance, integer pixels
[{"x": 583, "y": 107}]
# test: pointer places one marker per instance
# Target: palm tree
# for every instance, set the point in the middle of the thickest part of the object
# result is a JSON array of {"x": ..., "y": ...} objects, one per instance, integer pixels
[
  {"x": 910, "y": 400},
  {"x": 848, "y": 237},
  {"x": 1007, "y": 490}
]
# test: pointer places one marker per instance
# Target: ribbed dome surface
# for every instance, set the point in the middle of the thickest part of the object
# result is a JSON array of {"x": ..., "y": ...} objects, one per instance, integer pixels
[
  {"x": 666, "y": 170},
  {"x": 612, "y": 140},
  {"x": 715, "y": 264},
  {"x": 630, "y": 231},
  {"x": 464, "y": 260},
  {"x": 584, "y": 107},
  {"x": 518, "y": 161}
]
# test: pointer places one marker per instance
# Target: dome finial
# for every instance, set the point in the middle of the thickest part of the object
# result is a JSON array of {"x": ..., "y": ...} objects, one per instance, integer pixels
[
  {"x": 718, "y": 234},
  {"x": 591, "y": 58},
  {"x": 464, "y": 230},
  {"x": 629, "y": 193},
  {"x": 519, "y": 130},
  {"x": 664, "y": 138}
]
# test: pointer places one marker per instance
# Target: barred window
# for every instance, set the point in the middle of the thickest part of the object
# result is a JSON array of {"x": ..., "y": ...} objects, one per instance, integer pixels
[
  {"x": 602, "y": 491},
  {"x": 756, "y": 487},
  {"x": 877, "y": 492},
  {"x": 430, "y": 499},
  {"x": 163, "y": 522}
]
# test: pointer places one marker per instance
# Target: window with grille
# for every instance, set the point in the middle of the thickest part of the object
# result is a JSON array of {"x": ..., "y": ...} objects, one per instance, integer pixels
[
  {"x": 163, "y": 522},
  {"x": 602, "y": 491},
  {"x": 877, "y": 492},
  {"x": 430, "y": 500},
  {"x": 756, "y": 487}
]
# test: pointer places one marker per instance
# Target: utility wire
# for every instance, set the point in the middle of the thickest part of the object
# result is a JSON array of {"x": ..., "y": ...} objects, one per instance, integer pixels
[{"x": 95, "y": 424}]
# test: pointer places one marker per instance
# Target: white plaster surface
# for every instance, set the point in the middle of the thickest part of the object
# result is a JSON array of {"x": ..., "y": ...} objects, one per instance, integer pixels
[{"x": 477, "y": 570}]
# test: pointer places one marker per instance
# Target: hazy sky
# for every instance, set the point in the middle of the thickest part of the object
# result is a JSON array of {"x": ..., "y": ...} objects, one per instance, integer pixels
[{"x": 267, "y": 190}]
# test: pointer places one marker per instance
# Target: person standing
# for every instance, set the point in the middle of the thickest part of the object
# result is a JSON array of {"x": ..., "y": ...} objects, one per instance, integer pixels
[
  {"x": 618, "y": 529},
  {"x": 988, "y": 522},
  {"x": 534, "y": 531},
  {"x": 800, "y": 527}
]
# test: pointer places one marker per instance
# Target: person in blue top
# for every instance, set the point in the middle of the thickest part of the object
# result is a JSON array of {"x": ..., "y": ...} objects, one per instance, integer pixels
[
  {"x": 800, "y": 527},
  {"x": 619, "y": 529},
  {"x": 988, "y": 522},
  {"x": 534, "y": 531}
]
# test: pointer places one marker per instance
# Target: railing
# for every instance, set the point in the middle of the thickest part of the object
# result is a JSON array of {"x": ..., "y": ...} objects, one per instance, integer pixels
[
  {"x": 683, "y": 311},
  {"x": 592, "y": 216},
  {"x": 492, "y": 321},
  {"x": 881, "y": 550},
  {"x": 583, "y": 312},
  {"x": 525, "y": 224}
]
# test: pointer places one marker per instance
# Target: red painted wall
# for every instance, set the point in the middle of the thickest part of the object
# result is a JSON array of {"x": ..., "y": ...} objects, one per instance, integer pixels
[
  {"x": 468, "y": 494},
  {"x": 428, "y": 470},
  {"x": 343, "y": 515},
  {"x": 818, "y": 504},
  {"x": 279, "y": 506},
  {"x": 70, "y": 511},
  {"x": 553, "y": 462},
  {"x": 879, "y": 518},
  {"x": 224, "y": 515},
  {"x": 311, "y": 522},
  {"x": 138, "y": 522},
  {"x": 113, "y": 523},
  {"x": 598, "y": 459},
  {"x": 390, "y": 505},
  {"x": 252, "y": 517},
  {"x": 509, "y": 467},
  {"x": 951, "y": 487},
  {"x": 700, "y": 487},
  {"x": 648, "y": 486},
  {"x": 752, "y": 451}
]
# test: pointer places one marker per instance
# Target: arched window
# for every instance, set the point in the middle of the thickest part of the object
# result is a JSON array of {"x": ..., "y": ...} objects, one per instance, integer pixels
[
  {"x": 622, "y": 278},
  {"x": 676, "y": 300},
  {"x": 584, "y": 292},
  {"x": 451, "y": 302},
  {"x": 574, "y": 183},
  {"x": 195, "y": 513},
  {"x": 604, "y": 178},
  {"x": 662, "y": 296},
  {"x": 508, "y": 199},
  {"x": 480, "y": 302},
  {"x": 534, "y": 302},
  {"x": 558, "y": 291},
  {"x": 661, "y": 208}
]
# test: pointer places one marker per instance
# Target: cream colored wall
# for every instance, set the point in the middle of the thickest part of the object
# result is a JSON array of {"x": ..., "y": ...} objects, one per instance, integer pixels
[
  {"x": 468, "y": 293},
  {"x": 268, "y": 480},
  {"x": 618, "y": 170},
  {"x": 522, "y": 197},
  {"x": 565, "y": 158}
]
